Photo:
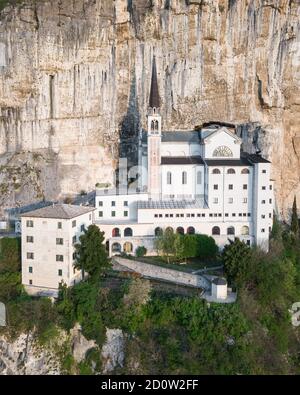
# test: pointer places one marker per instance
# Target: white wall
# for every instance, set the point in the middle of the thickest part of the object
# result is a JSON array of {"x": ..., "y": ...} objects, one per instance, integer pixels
[
  {"x": 218, "y": 139},
  {"x": 44, "y": 265}
]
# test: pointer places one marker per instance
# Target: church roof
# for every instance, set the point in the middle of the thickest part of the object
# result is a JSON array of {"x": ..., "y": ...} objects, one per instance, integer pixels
[
  {"x": 59, "y": 211},
  {"x": 154, "y": 100},
  {"x": 182, "y": 160},
  {"x": 193, "y": 136}
]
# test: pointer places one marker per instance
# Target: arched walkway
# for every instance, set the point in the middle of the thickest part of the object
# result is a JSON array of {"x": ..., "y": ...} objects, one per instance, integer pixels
[
  {"x": 158, "y": 231},
  {"x": 230, "y": 231},
  {"x": 116, "y": 232},
  {"x": 190, "y": 230},
  {"x": 216, "y": 231},
  {"x": 180, "y": 230},
  {"x": 128, "y": 247},
  {"x": 128, "y": 232},
  {"x": 116, "y": 248}
]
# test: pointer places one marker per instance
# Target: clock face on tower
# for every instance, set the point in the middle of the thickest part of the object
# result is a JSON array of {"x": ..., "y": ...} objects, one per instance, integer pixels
[{"x": 222, "y": 151}]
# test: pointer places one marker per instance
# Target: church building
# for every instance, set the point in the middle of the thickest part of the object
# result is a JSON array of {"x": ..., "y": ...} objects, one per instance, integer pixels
[{"x": 197, "y": 181}]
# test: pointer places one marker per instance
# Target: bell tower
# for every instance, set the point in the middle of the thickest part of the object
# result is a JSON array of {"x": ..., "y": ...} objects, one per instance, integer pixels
[{"x": 154, "y": 137}]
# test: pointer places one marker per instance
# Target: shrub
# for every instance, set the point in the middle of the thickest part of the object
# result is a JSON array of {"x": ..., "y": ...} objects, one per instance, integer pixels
[{"x": 140, "y": 251}]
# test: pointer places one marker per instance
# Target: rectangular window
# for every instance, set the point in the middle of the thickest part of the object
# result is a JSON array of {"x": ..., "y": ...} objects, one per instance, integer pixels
[
  {"x": 188, "y": 215},
  {"x": 245, "y": 200},
  {"x": 245, "y": 186},
  {"x": 100, "y": 203},
  {"x": 263, "y": 230},
  {"x": 263, "y": 188},
  {"x": 263, "y": 216},
  {"x": 219, "y": 215},
  {"x": 30, "y": 255},
  {"x": 216, "y": 186},
  {"x": 184, "y": 178},
  {"x": 244, "y": 214},
  {"x": 181, "y": 215},
  {"x": 125, "y": 213},
  {"x": 30, "y": 282},
  {"x": 82, "y": 228},
  {"x": 270, "y": 201},
  {"x": 59, "y": 258},
  {"x": 171, "y": 215},
  {"x": 60, "y": 272},
  {"x": 113, "y": 213},
  {"x": 215, "y": 200},
  {"x": 203, "y": 215},
  {"x": 155, "y": 215},
  {"x": 230, "y": 186},
  {"x": 29, "y": 239},
  {"x": 263, "y": 202},
  {"x": 90, "y": 217},
  {"x": 177, "y": 215},
  {"x": 101, "y": 214},
  {"x": 230, "y": 200},
  {"x": 30, "y": 269},
  {"x": 264, "y": 171},
  {"x": 73, "y": 224},
  {"x": 233, "y": 214},
  {"x": 113, "y": 203},
  {"x": 240, "y": 214},
  {"x": 74, "y": 239},
  {"x": 126, "y": 203},
  {"x": 160, "y": 215},
  {"x": 29, "y": 224},
  {"x": 270, "y": 187},
  {"x": 226, "y": 214},
  {"x": 210, "y": 215},
  {"x": 215, "y": 215},
  {"x": 249, "y": 214},
  {"x": 60, "y": 242},
  {"x": 192, "y": 215},
  {"x": 59, "y": 225},
  {"x": 270, "y": 215}
]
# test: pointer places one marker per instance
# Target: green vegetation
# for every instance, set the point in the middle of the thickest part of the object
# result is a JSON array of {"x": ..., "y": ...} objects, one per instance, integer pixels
[
  {"x": 91, "y": 255},
  {"x": 167, "y": 333},
  {"x": 295, "y": 219},
  {"x": 140, "y": 251},
  {"x": 181, "y": 247}
]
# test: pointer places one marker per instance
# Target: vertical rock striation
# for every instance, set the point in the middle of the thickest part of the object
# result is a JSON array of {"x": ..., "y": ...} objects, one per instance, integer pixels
[{"x": 75, "y": 76}]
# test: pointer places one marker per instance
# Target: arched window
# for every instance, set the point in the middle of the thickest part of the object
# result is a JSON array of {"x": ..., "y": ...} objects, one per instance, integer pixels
[
  {"x": 190, "y": 230},
  {"x": 156, "y": 125},
  {"x": 152, "y": 125},
  {"x": 116, "y": 232},
  {"x": 116, "y": 248},
  {"x": 199, "y": 177},
  {"x": 169, "y": 229},
  {"x": 230, "y": 171},
  {"x": 158, "y": 231},
  {"x": 230, "y": 230},
  {"x": 184, "y": 177},
  {"x": 128, "y": 232},
  {"x": 127, "y": 247},
  {"x": 216, "y": 230},
  {"x": 216, "y": 171},
  {"x": 180, "y": 230},
  {"x": 245, "y": 230},
  {"x": 169, "y": 178},
  {"x": 245, "y": 171}
]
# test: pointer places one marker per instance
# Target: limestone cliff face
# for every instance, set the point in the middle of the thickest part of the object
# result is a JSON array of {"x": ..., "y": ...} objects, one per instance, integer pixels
[{"x": 75, "y": 76}]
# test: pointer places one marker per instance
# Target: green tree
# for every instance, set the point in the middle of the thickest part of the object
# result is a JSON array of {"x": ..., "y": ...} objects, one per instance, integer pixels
[
  {"x": 91, "y": 255},
  {"x": 164, "y": 243},
  {"x": 140, "y": 251},
  {"x": 236, "y": 257},
  {"x": 295, "y": 220},
  {"x": 10, "y": 255}
]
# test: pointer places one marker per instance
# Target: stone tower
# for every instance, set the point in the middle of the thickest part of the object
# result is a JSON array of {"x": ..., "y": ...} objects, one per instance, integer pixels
[{"x": 154, "y": 137}]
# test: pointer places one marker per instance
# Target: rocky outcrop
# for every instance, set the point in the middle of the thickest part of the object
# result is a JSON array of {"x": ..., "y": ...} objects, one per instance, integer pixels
[
  {"x": 75, "y": 76},
  {"x": 113, "y": 350},
  {"x": 23, "y": 357},
  {"x": 80, "y": 345}
]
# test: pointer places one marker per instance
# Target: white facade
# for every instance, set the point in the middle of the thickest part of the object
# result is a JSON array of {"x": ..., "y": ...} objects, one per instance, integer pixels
[
  {"x": 48, "y": 239},
  {"x": 226, "y": 194}
]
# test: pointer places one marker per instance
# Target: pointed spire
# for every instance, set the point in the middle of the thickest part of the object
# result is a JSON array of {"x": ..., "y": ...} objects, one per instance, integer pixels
[{"x": 154, "y": 100}]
